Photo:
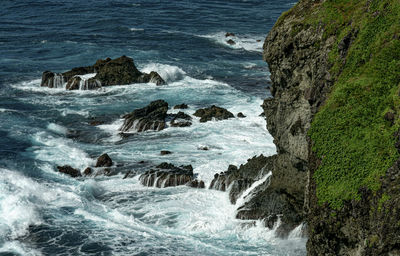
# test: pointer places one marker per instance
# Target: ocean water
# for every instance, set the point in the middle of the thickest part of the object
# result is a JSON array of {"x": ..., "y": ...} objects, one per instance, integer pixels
[{"x": 43, "y": 212}]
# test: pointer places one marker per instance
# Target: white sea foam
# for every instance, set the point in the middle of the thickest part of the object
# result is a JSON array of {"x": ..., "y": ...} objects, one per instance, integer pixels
[
  {"x": 246, "y": 42},
  {"x": 136, "y": 29},
  {"x": 167, "y": 72},
  {"x": 59, "y": 129},
  {"x": 59, "y": 150}
]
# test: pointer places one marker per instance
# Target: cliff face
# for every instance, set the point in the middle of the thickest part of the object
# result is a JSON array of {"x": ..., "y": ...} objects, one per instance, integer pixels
[
  {"x": 300, "y": 82},
  {"x": 335, "y": 71}
]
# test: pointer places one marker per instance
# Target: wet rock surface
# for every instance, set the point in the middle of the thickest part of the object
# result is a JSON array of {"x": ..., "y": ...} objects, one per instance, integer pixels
[
  {"x": 104, "y": 161},
  {"x": 108, "y": 72},
  {"x": 66, "y": 169},
  {"x": 167, "y": 175},
  {"x": 181, "y": 120},
  {"x": 213, "y": 112},
  {"x": 151, "y": 117}
]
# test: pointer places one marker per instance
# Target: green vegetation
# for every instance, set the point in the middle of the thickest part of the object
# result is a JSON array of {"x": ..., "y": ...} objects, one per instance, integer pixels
[{"x": 350, "y": 134}]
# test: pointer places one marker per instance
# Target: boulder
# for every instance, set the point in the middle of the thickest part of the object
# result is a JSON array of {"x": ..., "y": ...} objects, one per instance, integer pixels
[
  {"x": 181, "y": 106},
  {"x": 109, "y": 72},
  {"x": 88, "y": 171},
  {"x": 181, "y": 120},
  {"x": 207, "y": 114},
  {"x": 104, "y": 161},
  {"x": 66, "y": 169},
  {"x": 151, "y": 117},
  {"x": 240, "y": 115},
  {"x": 228, "y": 34},
  {"x": 167, "y": 175}
]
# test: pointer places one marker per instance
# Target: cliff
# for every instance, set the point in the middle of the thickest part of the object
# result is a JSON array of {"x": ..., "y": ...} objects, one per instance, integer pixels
[{"x": 334, "y": 116}]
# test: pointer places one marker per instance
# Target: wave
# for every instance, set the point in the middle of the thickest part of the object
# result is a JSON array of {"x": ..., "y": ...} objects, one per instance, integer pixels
[{"x": 246, "y": 42}]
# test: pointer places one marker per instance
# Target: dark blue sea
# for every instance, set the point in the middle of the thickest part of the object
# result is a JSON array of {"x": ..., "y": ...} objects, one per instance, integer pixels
[{"x": 44, "y": 212}]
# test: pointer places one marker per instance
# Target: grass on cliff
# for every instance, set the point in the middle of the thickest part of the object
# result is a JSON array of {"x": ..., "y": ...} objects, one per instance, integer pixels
[{"x": 350, "y": 134}]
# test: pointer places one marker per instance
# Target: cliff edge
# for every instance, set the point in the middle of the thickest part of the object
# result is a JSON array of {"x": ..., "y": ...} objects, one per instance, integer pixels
[{"x": 334, "y": 116}]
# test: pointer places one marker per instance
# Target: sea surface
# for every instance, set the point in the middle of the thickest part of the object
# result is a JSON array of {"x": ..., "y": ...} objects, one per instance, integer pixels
[{"x": 43, "y": 212}]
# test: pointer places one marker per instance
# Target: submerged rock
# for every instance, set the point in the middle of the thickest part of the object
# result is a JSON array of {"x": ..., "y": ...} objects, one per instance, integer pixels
[
  {"x": 207, "y": 114},
  {"x": 167, "y": 175},
  {"x": 151, "y": 117},
  {"x": 108, "y": 72},
  {"x": 231, "y": 42},
  {"x": 165, "y": 152},
  {"x": 66, "y": 169},
  {"x": 181, "y": 120}
]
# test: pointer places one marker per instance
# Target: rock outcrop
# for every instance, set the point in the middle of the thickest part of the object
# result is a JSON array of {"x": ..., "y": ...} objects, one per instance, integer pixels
[
  {"x": 66, "y": 169},
  {"x": 108, "y": 72},
  {"x": 167, "y": 175},
  {"x": 181, "y": 120},
  {"x": 237, "y": 180},
  {"x": 213, "y": 112},
  {"x": 151, "y": 117}
]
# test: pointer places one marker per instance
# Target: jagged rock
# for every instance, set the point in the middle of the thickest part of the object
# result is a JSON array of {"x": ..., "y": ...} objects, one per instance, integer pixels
[
  {"x": 181, "y": 120},
  {"x": 104, "y": 161},
  {"x": 243, "y": 177},
  {"x": 228, "y": 34},
  {"x": 119, "y": 71},
  {"x": 69, "y": 170},
  {"x": 52, "y": 80},
  {"x": 151, "y": 117},
  {"x": 231, "y": 42},
  {"x": 205, "y": 148},
  {"x": 207, "y": 114},
  {"x": 165, "y": 152},
  {"x": 196, "y": 184},
  {"x": 167, "y": 175},
  {"x": 241, "y": 115},
  {"x": 88, "y": 171},
  {"x": 181, "y": 106}
]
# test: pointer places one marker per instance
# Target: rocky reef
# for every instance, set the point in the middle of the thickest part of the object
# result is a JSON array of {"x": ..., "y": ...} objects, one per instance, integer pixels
[
  {"x": 151, "y": 117},
  {"x": 213, "y": 112},
  {"x": 107, "y": 72},
  {"x": 169, "y": 175},
  {"x": 334, "y": 118}
]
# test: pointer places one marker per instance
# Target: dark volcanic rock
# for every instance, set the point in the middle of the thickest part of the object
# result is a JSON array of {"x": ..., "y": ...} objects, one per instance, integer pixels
[
  {"x": 181, "y": 106},
  {"x": 52, "y": 80},
  {"x": 228, "y": 34},
  {"x": 151, "y": 117},
  {"x": 241, "y": 115},
  {"x": 104, "y": 161},
  {"x": 88, "y": 171},
  {"x": 119, "y": 71},
  {"x": 167, "y": 175},
  {"x": 165, "y": 152},
  {"x": 69, "y": 170},
  {"x": 207, "y": 114},
  {"x": 231, "y": 42},
  {"x": 181, "y": 120},
  {"x": 243, "y": 177},
  {"x": 196, "y": 184}
]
